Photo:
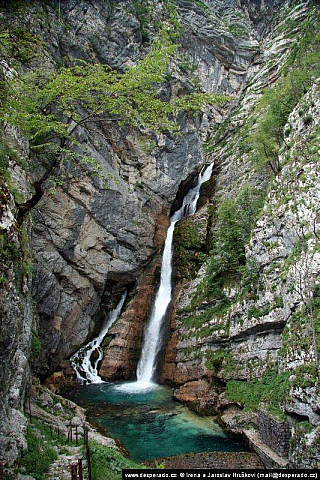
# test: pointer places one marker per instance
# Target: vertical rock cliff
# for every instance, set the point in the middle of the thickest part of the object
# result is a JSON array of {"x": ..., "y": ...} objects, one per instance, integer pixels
[
  {"x": 75, "y": 235},
  {"x": 244, "y": 336}
]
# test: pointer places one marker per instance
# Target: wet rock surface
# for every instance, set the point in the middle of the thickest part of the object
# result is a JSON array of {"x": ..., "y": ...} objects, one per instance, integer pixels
[
  {"x": 250, "y": 338},
  {"x": 81, "y": 245},
  {"x": 93, "y": 239},
  {"x": 198, "y": 395}
]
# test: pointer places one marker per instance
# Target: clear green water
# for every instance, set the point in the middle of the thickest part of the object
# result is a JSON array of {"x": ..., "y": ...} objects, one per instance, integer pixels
[{"x": 150, "y": 424}]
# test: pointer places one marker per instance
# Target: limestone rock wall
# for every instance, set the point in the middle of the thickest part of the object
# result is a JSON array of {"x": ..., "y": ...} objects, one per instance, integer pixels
[
  {"x": 91, "y": 238},
  {"x": 274, "y": 330},
  {"x": 85, "y": 250},
  {"x": 18, "y": 343}
]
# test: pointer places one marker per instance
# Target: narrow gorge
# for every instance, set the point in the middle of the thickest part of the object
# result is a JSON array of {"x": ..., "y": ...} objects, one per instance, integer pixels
[{"x": 159, "y": 201}]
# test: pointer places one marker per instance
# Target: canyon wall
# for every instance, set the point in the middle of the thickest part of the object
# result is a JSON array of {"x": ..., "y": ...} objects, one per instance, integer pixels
[
  {"x": 73, "y": 241},
  {"x": 245, "y": 339}
]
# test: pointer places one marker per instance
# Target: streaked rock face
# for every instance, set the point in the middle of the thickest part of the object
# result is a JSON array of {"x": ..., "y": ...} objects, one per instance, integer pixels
[
  {"x": 90, "y": 236},
  {"x": 92, "y": 239},
  {"x": 262, "y": 333}
]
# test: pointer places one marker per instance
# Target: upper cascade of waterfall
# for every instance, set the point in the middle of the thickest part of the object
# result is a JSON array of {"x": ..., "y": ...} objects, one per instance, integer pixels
[
  {"x": 81, "y": 362},
  {"x": 152, "y": 338},
  {"x": 189, "y": 204}
]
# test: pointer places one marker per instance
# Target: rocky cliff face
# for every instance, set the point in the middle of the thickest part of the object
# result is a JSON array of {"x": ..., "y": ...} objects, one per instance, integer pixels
[
  {"x": 93, "y": 236},
  {"x": 19, "y": 340},
  {"x": 232, "y": 335},
  {"x": 86, "y": 251},
  {"x": 90, "y": 238}
]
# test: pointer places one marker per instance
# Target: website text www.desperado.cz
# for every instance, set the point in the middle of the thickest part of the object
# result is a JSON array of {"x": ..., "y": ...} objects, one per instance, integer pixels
[{"x": 211, "y": 474}]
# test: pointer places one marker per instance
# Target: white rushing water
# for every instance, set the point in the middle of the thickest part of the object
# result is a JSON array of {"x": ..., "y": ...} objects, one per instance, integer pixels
[
  {"x": 152, "y": 337},
  {"x": 81, "y": 361}
]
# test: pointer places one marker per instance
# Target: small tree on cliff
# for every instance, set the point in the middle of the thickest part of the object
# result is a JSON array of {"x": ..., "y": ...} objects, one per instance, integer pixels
[{"x": 50, "y": 106}]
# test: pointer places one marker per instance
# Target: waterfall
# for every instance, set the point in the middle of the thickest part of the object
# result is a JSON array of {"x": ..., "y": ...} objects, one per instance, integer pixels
[
  {"x": 81, "y": 360},
  {"x": 152, "y": 336}
]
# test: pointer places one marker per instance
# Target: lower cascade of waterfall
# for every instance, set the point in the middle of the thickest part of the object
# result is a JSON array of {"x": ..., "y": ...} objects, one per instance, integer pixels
[
  {"x": 152, "y": 338},
  {"x": 143, "y": 414},
  {"x": 86, "y": 370}
]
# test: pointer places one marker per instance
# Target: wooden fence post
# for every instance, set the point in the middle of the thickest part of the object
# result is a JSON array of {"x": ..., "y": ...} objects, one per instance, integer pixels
[
  {"x": 80, "y": 469},
  {"x": 74, "y": 472},
  {"x": 86, "y": 439}
]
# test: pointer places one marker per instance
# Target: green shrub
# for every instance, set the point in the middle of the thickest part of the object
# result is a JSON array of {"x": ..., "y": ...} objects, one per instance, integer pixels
[
  {"x": 35, "y": 345},
  {"x": 298, "y": 336},
  {"x": 38, "y": 456},
  {"x": 235, "y": 219},
  {"x": 272, "y": 391},
  {"x": 218, "y": 310},
  {"x": 238, "y": 30},
  {"x": 107, "y": 463},
  {"x": 258, "y": 312},
  {"x": 9, "y": 253},
  {"x": 219, "y": 359},
  {"x": 305, "y": 376},
  {"x": 265, "y": 127}
]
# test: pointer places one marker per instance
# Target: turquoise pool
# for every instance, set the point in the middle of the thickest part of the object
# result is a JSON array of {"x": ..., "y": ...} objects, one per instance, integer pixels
[{"x": 150, "y": 424}]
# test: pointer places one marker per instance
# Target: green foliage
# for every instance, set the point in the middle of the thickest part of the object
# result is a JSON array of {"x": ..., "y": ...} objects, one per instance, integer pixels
[
  {"x": 307, "y": 40},
  {"x": 314, "y": 309},
  {"x": 106, "y": 342},
  {"x": 4, "y": 161},
  {"x": 49, "y": 435},
  {"x": 249, "y": 274},
  {"x": 188, "y": 246},
  {"x": 305, "y": 376},
  {"x": 38, "y": 456},
  {"x": 40, "y": 453},
  {"x": 272, "y": 391},
  {"x": 35, "y": 345},
  {"x": 9, "y": 250},
  {"x": 218, "y": 310},
  {"x": 45, "y": 104},
  {"x": 238, "y": 30},
  {"x": 298, "y": 335},
  {"x": 107, "y": 463},
  {"x": 235, "y": 219},
  {"x": 220, "y": 359},
  {"x": 151, "y": 17},
  {"x": 7, "y": 153},
  {"x": 19, "y": 44},
  {"x": 193, "y": 353},
  {"x": 278, "y": 302},
  {"x": 258, "y": 312},
  {"x": 202, "y": 5},
  {"x": 299, "y": 246},
  {"x": 187, "y": 234},
  {"x": 264, "y": 132},
  {"x": 186, "y": 65},
  {"x": 146, "y": 144},
  {"x": 144, "y": 15}
]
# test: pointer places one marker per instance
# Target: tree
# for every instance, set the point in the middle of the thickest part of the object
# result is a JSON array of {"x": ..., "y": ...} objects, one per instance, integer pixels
[
  {"x": 265, "y": 128},
  {"x": 49, "y": 106}
]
